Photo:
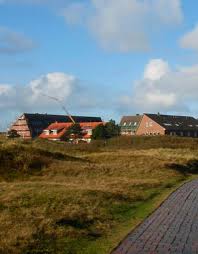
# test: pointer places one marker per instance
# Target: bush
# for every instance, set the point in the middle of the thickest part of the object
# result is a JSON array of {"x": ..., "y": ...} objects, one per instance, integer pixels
[
  {"x": 100, "y": 132},
  {"x": 109, "y": 130}
]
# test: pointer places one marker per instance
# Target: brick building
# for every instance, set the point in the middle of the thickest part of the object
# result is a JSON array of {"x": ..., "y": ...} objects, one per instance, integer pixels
[
  {"x": 157, "y": 124},
  {"x": 32, "y": 125},
  {"x": 130, "y": 124}
]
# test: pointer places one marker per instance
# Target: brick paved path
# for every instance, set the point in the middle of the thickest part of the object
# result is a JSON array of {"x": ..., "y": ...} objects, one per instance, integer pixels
[{"x": 172, "y": 229}]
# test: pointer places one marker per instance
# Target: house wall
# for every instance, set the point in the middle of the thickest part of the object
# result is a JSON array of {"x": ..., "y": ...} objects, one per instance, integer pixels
[
  {"x": 127, "y": 130},
  {"x": 22, "y": 128},
  {"x": 183, "y": 133},
  {"x": 149, "y": 127}
]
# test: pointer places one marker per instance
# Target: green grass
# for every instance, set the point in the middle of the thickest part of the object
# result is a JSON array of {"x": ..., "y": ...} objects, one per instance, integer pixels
[{"x": 61, "y": 198}]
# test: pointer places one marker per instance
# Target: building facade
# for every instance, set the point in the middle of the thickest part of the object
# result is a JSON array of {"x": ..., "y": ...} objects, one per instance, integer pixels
[
  {"x": 129, "y": 125},
  {"x": 158, "y": 124},
  {"x": 32, "y": 125}
]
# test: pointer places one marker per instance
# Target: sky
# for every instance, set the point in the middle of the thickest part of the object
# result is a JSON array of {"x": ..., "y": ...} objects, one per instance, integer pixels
[{"x": 103, "y": 58}]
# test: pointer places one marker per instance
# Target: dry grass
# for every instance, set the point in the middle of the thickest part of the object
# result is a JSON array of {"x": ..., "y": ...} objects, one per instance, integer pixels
[{"x": 83, "y": 199}]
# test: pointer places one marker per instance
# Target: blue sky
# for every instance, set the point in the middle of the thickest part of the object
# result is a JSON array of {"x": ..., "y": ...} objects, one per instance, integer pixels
[{"x": 105, "y": 58}]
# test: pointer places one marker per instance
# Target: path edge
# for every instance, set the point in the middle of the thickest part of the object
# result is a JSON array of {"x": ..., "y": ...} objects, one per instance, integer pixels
[{"x": 155, "y": 209}]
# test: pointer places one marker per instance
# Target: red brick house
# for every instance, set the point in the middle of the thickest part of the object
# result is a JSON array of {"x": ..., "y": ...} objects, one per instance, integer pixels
[
  {"x": 130, "y": 124},
  {"x": 157, "y": 124},
  {"x": 58, "y": 131},
  {"x": 32, "y": 125}
]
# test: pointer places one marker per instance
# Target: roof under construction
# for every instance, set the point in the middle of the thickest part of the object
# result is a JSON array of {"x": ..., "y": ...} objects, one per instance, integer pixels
[{"x": 38, "y": 122}]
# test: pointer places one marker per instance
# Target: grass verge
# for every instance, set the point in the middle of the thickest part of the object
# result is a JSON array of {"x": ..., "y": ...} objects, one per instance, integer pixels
[{"x": 84, "y": 199}]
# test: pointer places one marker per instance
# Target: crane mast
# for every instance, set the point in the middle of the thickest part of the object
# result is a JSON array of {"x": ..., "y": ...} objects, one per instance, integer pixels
[{"x": 62, "y": 106}]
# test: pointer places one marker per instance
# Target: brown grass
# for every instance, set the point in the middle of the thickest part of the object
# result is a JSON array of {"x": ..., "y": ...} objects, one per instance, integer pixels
[{"x": 83, "y": 199}]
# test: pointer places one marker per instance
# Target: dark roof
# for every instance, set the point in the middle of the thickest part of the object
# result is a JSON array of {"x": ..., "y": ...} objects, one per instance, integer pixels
[
  {"x": 60, "y": 118},
  {"x": 171, "y": 122},
  {"x": 131, "y": 120},
  {"x": 42, "y": 121}
]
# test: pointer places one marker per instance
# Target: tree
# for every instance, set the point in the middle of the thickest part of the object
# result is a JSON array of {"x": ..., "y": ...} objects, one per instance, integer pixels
[
  {"x": 113, "y": 129},
  {"x": 99, "y": 132},
  {"x": 109, "y": 130},
  {"x": 74, "y": 131},
  {"x": 12, "y": 134}
]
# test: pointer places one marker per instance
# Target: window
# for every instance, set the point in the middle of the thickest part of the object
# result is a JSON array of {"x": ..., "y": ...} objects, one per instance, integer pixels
[
  {"x": 147, "y": 124},
  {"x": 150, "y": 124},
  {"x": 124, "y": 123},
  {"x": 54, "y": 132},
  {"x": 89, "y": 132},
  {"x": 135, "y": 124},
  {"x": 46, "y": 132},
  {"x": 167, "y": 124}
]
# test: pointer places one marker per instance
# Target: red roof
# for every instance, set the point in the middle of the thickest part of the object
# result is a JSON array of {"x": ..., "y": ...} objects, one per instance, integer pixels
[
  {"x": 62, "y": 128},
  {"x": 58, "y": 126}
]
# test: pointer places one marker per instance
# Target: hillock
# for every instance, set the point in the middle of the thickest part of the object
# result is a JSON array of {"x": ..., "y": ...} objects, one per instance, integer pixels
[{"x": 63, "y": 198}]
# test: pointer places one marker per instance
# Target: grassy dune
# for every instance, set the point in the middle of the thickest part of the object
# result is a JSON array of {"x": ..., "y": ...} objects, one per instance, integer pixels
[{"x": 60, "y": 198}]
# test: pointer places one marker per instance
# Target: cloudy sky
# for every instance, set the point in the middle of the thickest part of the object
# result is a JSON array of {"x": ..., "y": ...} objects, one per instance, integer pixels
[{"x": 100, "y": 57}]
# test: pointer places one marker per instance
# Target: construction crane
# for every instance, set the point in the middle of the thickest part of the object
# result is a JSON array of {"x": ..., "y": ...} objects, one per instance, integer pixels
[{"x": 62, "y": 106}]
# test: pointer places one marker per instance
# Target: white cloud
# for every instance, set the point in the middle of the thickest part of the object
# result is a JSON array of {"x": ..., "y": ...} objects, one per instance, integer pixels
[
  {"x": 169, "y": 12},
  {"x": 76, "y": 95},
  {"x": 5, "y": 89},
  {"x": 164, "y": 89},
  {"x": 190, "y": 39},
  {"x": 75, "y": 13},
  {"x": 55, "y": 84},
  {"x": 156, "y": 69},
  {"x": 119, "y": 25},
  {"x": 158, "y": 98},
  {"x": 12, "y": 42},
  {"x": 32, "y": 96},
  {"x": 126, "y": 25}
]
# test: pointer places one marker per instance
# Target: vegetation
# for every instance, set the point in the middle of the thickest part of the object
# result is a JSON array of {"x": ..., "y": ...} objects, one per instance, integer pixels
[
  {"x": 74, "y": 131},
  {"x": 12, "y": 134},
  {"x": 83, "y": 199},
  {"x": 109, "y": 130},
  {"x": 113, "y": 129},
  {"x": 99, "y": 132}
]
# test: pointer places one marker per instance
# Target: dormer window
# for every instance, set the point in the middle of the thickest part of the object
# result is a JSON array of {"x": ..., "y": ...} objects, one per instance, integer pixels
[
  {"x": 47, "y": 132},
  {"x": 54, "y": 132}
]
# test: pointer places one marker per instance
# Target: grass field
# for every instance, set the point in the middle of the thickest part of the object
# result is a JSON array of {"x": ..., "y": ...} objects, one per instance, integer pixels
[{"x": 60, "y": 198}]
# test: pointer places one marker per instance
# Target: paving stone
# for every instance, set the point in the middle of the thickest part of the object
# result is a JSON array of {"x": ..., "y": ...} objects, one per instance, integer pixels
[{"x": 171, "y": 229}]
